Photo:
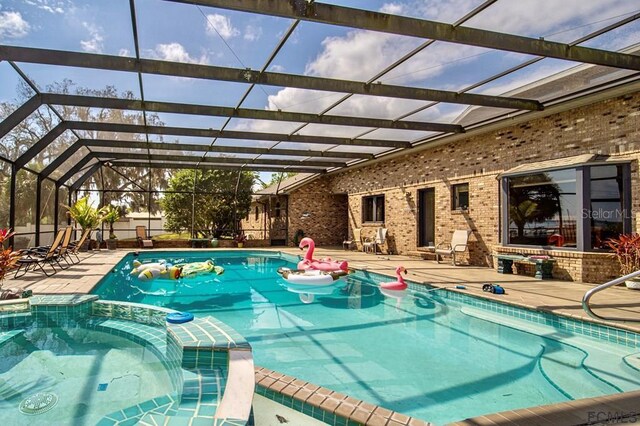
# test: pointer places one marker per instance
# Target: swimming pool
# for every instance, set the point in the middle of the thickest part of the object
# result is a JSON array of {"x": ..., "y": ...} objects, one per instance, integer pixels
[{"x": 434, "y": 355}]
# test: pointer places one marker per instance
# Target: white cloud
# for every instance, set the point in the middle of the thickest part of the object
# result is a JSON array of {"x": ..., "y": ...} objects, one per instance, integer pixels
[
  {"x": 95, "y": 43},
  {"x": 175, "y": 52},
  {"x": 252, "y": 33},
  {"x": 436, "y": 10},
  {"x": 12, "y": 25},
  {"x": 220, "y": 24},
  {"x": 277, "y": 68},
  {"x": 360, "y": 55},
  {"x": 124, "y": 52},
  {"x": 51, "y": 6}
]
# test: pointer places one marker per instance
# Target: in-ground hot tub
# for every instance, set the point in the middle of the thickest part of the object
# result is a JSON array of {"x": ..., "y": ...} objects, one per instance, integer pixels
[{"x": 78, "y": 360}]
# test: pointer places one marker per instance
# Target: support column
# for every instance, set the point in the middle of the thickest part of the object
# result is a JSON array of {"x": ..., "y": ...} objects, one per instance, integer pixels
[
  {"x": 12, "y": 200},
  {"x": 38, "y": 207},
  {"x": 56, "y": 209}
]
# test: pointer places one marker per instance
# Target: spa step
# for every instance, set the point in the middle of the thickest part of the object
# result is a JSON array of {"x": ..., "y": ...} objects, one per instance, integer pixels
[{"x": 138, "y": 332}]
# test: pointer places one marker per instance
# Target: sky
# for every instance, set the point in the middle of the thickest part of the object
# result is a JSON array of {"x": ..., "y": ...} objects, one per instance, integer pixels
[{"x": 187, "y": 33}]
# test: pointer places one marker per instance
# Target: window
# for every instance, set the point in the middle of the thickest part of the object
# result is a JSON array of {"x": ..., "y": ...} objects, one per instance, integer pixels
[
  {"x": 460, "y": 196},
  {"x": 257, "y": 213},
  {"x": 580, "y": 207},
  {"x": 607, "y": 207},
  {"x": 278, "y": 209},
  {"x": 373, "y": 209}
]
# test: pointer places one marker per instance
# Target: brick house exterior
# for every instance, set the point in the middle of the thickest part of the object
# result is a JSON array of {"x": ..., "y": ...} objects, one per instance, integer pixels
[{"x": 328, "y": 205}]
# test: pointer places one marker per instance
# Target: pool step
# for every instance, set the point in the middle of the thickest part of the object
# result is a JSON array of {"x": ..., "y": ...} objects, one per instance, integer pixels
[
  {"x": 7, "y": 336},
  {"x": 565, "y": 368},
  {"x": 597, "y": 375}
]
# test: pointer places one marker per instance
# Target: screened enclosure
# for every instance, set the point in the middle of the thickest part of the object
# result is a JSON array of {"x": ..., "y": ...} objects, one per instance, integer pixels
[{"x": 167, "y": 108}]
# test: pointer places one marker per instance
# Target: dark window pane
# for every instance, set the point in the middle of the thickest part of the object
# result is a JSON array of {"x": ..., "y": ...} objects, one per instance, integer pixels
[
  {"x": 606, "y": 212},
  {"x": 542, "y": 209},
  {"x": 461, "y": 196},
  {"x": 373, "y": 209}
]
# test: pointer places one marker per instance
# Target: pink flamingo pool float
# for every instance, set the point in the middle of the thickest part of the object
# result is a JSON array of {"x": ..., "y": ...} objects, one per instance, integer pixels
[
  {"x": 309, "y": 262},
  {"x": 396, "y": 285}
]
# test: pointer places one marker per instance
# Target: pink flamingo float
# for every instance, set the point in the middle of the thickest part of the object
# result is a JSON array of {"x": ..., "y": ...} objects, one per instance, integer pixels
[
  {"x": 395, "y": 289},
  {"x": 396, "y": 285},
  {"x": 326, "y": 265}
]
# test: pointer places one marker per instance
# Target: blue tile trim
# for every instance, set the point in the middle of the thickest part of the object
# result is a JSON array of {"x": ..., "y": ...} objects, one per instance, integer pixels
[{"x": 570, "y": 325}]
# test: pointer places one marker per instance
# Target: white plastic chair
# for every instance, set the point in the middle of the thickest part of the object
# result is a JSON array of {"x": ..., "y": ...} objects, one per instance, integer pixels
[
  {"x": 459, "y": 241},
  {"x": 380, "y": 239}
]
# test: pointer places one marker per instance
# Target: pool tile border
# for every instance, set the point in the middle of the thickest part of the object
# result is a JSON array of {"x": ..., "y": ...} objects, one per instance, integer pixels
[
  {"x": 615, "y": 334},
  {"x": 573, "y": 325},
  {"x": 325, "y": 405}
]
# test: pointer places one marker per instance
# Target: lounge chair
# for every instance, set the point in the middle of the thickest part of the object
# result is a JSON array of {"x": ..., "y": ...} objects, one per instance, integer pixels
[
  {"x": 379, "y": 240},
  {"x": 37, "y": 257},
  {"x": 141, "y": 236},
  {"x": 459, "y": 241},
  {"x": 75, "y": 246},
  {"x": 357, "y": 239}
]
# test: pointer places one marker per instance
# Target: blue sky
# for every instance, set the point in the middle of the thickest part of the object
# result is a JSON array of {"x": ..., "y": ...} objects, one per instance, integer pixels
[{"x": 187, "y": 33}]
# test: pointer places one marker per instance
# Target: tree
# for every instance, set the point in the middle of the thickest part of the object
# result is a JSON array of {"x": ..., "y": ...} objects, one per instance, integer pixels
[
  {"x": 278, "y": 177},
  {"x": 221, "y": 201},
  {"x": 41, "y": 121}
]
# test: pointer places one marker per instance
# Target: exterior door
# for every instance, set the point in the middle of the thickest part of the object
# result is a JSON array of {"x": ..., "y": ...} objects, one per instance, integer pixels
[{"x": 426, "y": 217}]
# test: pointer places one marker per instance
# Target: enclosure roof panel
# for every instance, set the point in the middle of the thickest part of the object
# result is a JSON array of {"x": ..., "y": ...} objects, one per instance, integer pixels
[{"x": 290, "y": 86}]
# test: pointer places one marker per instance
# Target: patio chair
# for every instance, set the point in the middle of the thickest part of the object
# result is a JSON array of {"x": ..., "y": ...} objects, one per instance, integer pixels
[
  {"x": 141, "y": 236},
  {"x": 75, "y": 246},
  {"x": 37, "y": 257},
  {"x": 357, "y": 239},
  {"x": 459, "y": 241},
  {"x": 380, "y": 240}
]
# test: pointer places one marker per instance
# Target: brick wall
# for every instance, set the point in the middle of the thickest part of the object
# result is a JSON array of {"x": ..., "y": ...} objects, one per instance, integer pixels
[
  {"x": 609, "y": 127},
  {"x": 267, "y": 224},
  {"x": 319, "y": 212}
]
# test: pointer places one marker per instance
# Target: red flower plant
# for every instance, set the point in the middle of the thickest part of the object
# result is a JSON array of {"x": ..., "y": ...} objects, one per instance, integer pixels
[
  {"x": 627, "y": 250},
  {"x": 8, "y": 257}
]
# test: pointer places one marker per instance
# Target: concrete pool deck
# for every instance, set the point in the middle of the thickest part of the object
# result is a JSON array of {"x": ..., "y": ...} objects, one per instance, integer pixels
[{"x": 558, "y": 297}]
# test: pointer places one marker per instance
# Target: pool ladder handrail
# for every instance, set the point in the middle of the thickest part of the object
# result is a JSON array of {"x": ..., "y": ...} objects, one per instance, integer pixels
[{"x": 587, "y": 296}]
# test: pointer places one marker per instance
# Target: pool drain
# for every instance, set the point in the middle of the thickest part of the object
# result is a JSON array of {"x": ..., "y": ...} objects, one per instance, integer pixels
[{"x": 38, "y": 403}]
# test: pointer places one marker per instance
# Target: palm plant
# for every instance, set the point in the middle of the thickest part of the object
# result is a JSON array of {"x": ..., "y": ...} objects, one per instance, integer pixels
[
  {"x": 85, "y": 215},
  {"x": 110, "y": 215}
]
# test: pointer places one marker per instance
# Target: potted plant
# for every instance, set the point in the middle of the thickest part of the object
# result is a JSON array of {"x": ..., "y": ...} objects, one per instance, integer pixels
[
  {"x": 8, "y": 257},
  {"x": 627, "y": 250},
  {"x": 240, "y": 239},
  {"x": 85, "y": 215},
  {"x": 110, "y": 215}
]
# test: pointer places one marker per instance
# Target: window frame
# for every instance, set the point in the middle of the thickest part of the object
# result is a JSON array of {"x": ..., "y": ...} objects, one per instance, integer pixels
[
  {"x": 583, "y": 198},
  {"x": 455, "y": 197},
  {"x": 374, "y": 205}
]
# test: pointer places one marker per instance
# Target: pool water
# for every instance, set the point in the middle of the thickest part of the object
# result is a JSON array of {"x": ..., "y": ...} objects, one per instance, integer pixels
[
  {"x": 90, "y": 374},
  {"x": 416, "y": 353}
]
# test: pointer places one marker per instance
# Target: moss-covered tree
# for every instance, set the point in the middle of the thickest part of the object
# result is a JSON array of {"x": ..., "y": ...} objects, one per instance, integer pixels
[{"x": 221, "y": 201}]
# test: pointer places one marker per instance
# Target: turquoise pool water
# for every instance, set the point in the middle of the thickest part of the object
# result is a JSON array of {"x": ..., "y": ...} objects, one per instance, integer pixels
[
  {"x": 83, "y": 374},
  {"x": 420, "y": 353}
]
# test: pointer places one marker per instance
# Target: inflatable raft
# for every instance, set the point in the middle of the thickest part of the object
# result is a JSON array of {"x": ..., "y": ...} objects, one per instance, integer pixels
[{"x": 312, "y": 277}]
